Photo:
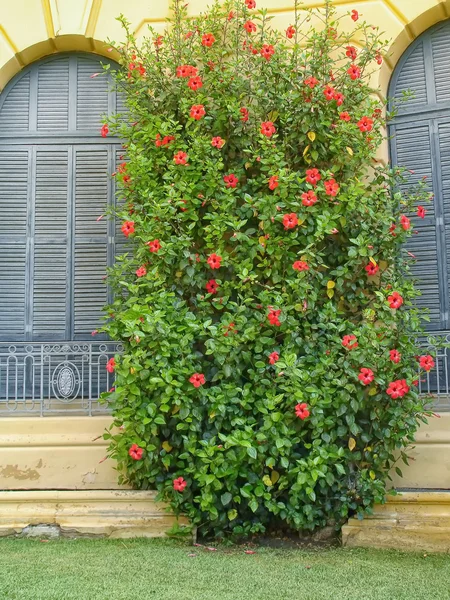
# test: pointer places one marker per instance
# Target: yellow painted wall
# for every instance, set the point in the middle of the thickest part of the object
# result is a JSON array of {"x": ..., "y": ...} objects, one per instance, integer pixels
[{"x": 65, "y": 453}]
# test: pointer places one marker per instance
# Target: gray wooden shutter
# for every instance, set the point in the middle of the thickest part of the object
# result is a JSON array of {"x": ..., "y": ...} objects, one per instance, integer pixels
[
  {"x": 50, "y": 272},
  {"x": 412, "y": 149},
  {"x": 421, "y": 142},
  {"x": 14, "y": 197},
  {"x": 91, "y": 243},
  {"x": 54, "y": 183}
]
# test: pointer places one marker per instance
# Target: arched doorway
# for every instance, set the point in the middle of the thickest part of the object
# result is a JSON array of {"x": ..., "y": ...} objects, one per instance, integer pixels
[
  {"x": 55, "y": 181},
  {"x": 420, "y": 141}
]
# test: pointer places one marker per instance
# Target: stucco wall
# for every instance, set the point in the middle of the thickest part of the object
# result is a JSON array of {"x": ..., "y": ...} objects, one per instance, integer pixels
[{"x": 31, "y": 29}]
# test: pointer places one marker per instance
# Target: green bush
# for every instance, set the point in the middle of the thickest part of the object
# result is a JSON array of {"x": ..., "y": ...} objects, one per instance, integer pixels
[{"x": 262, "y": 234}]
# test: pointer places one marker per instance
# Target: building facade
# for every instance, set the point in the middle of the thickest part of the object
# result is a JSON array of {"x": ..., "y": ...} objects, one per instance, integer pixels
[{"x": 55, "y": 182}]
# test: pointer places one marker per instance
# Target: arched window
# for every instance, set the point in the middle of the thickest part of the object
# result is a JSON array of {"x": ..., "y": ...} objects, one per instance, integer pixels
[
  {"x": 421, "y": 142},
  {"x": 55, "y": 182}
]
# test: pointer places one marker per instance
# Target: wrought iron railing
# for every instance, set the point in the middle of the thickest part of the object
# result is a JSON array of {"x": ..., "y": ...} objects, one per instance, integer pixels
[
  {"x": 68, "y": 377},
  {"x": 53, "y": 378},
  {"x": 436, "y": 383}
]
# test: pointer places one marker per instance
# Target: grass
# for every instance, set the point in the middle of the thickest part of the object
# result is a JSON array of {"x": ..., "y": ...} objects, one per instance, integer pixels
[{"x": 167, "y": 570}]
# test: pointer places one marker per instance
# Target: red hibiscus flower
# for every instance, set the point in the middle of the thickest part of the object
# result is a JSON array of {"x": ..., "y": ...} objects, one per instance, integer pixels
[
  {"x": 135, "y": 452},
  {"x": 365, "y": 124},
  {"x": 197, "y": 111},
  {"x": 154, "y": 245},
  {"x": 273, "y": 317},
  {"x": 197, "y": 379},
  {"x": 230, "y": 180},
  {"x": 159, "y": 41},
  {"x": 250, "y": 4},
  {"x": 378, "y": 58},
  {"x": 344, "y": 116},
  {"x": 111, "y": 365},
  {"x": 405, "y": 222},
  {"x": 311, "y": 82},
  {"x": 128, "y": 228},
  {"x": 214, "y": 261},
  {"x": 355, "y": 72},
  {"x": 104, "y": 130},
  {"x": 290, "y": 221},
  {"x": 179, "y": 484},
  {"x": 267, "y": 51},
  {"x": 313, "y": 176},
  {"x": 397, "y": 389},
  {"x": 351, "y": 52},
  {"x": 249, "y": 27},
  {"x": 195, "y": 83},
  {"x": 395, "y": 356},
  {"x": 273, "y": 182},
  {"x": 331, "y": 187},
  {"x": 372, "y": 269},
  {"x": 339, "y": 98},
  {"x": 300, "y": 265},
  {"x": 141, "y": 272},
  {"x": 186, "y": 71},
  {"x": 180, "y": 158},
  {"x": 309, "y": 198},
  {"x": 350, "y": 342},
  {"x": 355, "y": 15},
  {"x": 426, "y": 362},
  {"x": 421, "y": 212},
  {"x": 273, "y": 358},
  {"x": 290, "y": 32},
  {"x": 329, "y": 92},
  {"x": 395, "y": 300},
  {"x": 268, "y": 128},
  {"x": 208, "y": 40},
  {"x": 301, "y": 410},
  {"x": 212, "y": 286},
  {"x": 217, "y": 142},
  {"x": 365, "y": 376},
  {"x": 244, "y": 113}
]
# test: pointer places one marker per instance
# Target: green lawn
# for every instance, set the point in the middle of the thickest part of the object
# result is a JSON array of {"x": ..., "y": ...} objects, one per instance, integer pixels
[{"x": 166, "y": 570}]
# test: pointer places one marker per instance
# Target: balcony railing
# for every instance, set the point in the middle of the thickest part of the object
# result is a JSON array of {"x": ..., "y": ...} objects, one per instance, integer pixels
[
  {"x": 54, "y": 378},
  {"x": 436, "y": 383},
  {"x": 68, "y": 377}
]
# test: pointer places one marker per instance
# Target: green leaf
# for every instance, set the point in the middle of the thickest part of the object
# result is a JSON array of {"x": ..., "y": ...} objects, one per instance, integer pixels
[
  {"x": 226, "y": 498},
  {"x": 252, "y": 452}
]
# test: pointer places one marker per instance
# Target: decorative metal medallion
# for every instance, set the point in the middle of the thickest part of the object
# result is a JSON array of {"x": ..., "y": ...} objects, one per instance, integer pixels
[{"x": 66, "y": 381}]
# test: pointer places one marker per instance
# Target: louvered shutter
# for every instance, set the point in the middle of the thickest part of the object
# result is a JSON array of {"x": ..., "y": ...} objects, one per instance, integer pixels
[
  {"x": 412, "y": 78},
  {"x": 50, "y": 271},
  {"x": 412, "y": 145},
  {"x": 53, "y": 251},
  {"x": 14, "y": 197},
  {"x": 421, "y": 142},
  {"x": 91, "y": 244}
]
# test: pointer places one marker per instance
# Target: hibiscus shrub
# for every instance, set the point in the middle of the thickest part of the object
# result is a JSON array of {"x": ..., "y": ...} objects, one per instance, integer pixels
[{"x": 268, "y": 373}]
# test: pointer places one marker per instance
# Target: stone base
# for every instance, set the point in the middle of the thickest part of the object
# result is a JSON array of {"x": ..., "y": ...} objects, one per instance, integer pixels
[
  {"x": 410, "y": 521},
  {"x": 106, "y": 513}
]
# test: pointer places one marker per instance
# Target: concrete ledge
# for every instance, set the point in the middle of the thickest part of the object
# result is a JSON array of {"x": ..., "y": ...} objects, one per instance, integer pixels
[
  {"x": 417, "y": 521},
  {"x": 107, "y": 513}
]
